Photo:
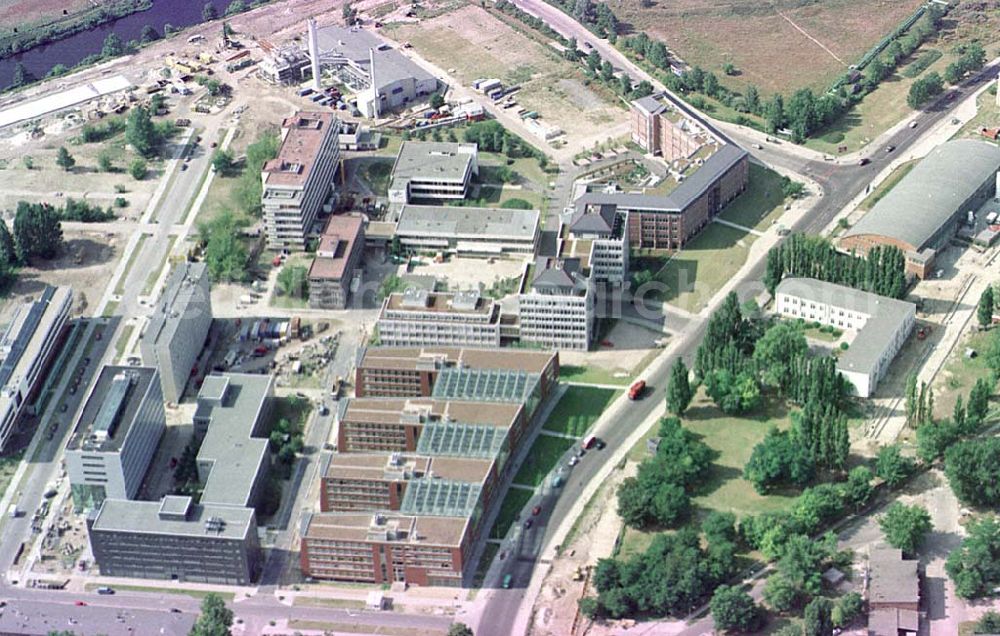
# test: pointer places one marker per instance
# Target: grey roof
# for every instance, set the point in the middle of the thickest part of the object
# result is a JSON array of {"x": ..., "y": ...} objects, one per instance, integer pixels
[
  {"x": 650, "y": 104},
  {"x": 893, "y": 578},
  {"x": 555, "y": 273},
  {"x": 432, "y": 160},
  {"x": 355, "y": 45},
  {"x": 123, "y": 515},
  {"x": 238, "y": 457},
  {"x": 182, "y": 297},
  {"x": 466, "y": 222},
  {"x": 103, "y": 402},
  {"x": 928, "y": 197},
  {"x": 885, "y": 313},
  {"x": 600, "y": 222},
  {"x": 717, "y": 164}
]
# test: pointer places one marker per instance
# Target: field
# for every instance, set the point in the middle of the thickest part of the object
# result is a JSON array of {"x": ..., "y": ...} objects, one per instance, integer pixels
[
  {"x": 592, "y": 374},
  {"x": 987, "y": 116},
  {"x": 733, "y": 439},
  {"x": 761, "y": 38},
  {"x": 470, "y": 43},
  {"x": 698, "y": 271},
  {"x": 18, "y": 13},
  {"x": 760, "y": 204},
  {"x": 578, "y": 408},
  {"x": 542, "y": 458}
]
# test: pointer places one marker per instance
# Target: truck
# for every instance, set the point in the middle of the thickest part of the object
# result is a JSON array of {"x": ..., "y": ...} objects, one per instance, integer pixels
[
  {"x": 13, "y": 512},
  {"x": 636, "y": 390},
  {"x": 589, "y": 441}
]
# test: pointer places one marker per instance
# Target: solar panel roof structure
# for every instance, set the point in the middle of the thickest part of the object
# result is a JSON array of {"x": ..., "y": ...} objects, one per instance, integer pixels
[
  {"x": 485, "y": 385},
  {"x": 455, "y": 439},
  {"x": 19, "y": 345},
  {"x": 440, "y": 498}
]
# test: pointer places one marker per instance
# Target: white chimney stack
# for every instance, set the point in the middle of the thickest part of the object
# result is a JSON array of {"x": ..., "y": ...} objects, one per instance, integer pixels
[{"x": 314, "y": 53}]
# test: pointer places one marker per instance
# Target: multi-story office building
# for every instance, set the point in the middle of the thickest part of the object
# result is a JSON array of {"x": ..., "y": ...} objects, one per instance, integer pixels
[
  {"x": 27, "y": 347},
  {"x": 556, "y": 307},
  {"x": 176, "y": 539},
  {"x": 359, "y": 482},
  {"x": 433, "y": 170},
  {"x": 596, "y": 235},
  {"x": 177, "y": 330},
  {"x": 383, "y": 372},
  {"x": 882, "y": 324},
  {"x": 419, "y": 318},
  {"x": 467, "y": 231},
  {"x": 383, "y": 548},
  {"x": 337, "y": 261},
  {"x": 214, "y": 541},
  {"x": 116, "y": 436},
  {"x": 300, "y": 179}
]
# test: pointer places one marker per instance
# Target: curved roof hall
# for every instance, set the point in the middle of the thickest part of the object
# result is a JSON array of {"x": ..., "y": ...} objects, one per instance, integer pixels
[{"x": 927, "y": 198}]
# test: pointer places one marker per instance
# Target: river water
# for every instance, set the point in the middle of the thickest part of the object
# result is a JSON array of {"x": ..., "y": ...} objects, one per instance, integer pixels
[{"x": 69, "y": 51}]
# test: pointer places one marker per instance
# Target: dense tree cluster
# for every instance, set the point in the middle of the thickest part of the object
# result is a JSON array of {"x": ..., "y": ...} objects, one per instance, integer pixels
[
  {"x": 973, "y": 470},
  {"x": 972, "y": 59},
  {"x": 658, "y": 495},
  {"x": 671, "y": 577},
  {"x": 924, "y": 89},
  {"x": 905, "y": 527},
  {"x": 798, "y": 572},
  {"x": 37, "y": 232},
  {"x": 596, "y": 16},
  {"x": 881, "y": 271},
  {"x": 734, "y": 610},
  {"x": 974, "y": 567},
  {"x": 225, "y": 254},
  {"x": 987, "y": 304},
  {"x": 491, "y": 136}
]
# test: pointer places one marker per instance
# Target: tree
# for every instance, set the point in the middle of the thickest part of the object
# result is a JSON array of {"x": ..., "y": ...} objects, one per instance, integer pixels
[
  {"x": 780, "y": 594},
  {"x": 847, "y": 609},
  {"x": 679, "y": 392},
  {"x": 858, "y": 489},
  {"x": 777, "y": 351},
  {"x": 148, "y": 34},
  {"x": 774, "y": 114},
  {"x": 293, "y": 281},
  {"x": 21, "y": 76},
  {"x": 974, "y": 567},
  {"x": 988, "y": 623},
  {"x": 817, "y": 618},
  {"x": 734, "y": 394},
  {"x": 208, "y": 12},
  {"x": 236, "y": 6},
  {"x": 437, "y": 101},
  {"x": 892, "y": 467},
  {"x": 734, "y": 610},
  {"x": 37, "y": 231},
  {"x": 778, "y": 459},
  {"x": 64, "y": 160},
  {"x": 875, "y": 72},
  {"x": 222, "y": 161},
  {"x": 459, "y": 629},
  {"x": 979, "y": 402},
  {"x": 225, "y": 254},
  {"x": 973, "y": 470},
  {"x": 905, "y": 527},
  {"x": 140, "y": 133},
  {"x": 751, "y": 99},
  {"x": 934, "y": 438},
  {"x": 729, "y": 68},
  {"x": 138, "y": 169},
  {"x": 8, "y": 251},
  {"x": 984, "y": 312},
  {"x": 105, "y": 161},
  {"x": 215, "y": 619},
  {"x": 113, "y": 46},
  {"x": 923, "y": 89},
  {"x": 719, "y": 526}
]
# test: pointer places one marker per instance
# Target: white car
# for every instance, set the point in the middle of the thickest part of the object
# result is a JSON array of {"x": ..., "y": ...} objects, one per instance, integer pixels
[{"x": 574, "y": 460}]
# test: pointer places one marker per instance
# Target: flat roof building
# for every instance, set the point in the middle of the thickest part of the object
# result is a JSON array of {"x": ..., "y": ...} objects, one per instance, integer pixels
[
  {"x": 27, "y": 347},
  {"x": 418, "y": 318},
  {"x": 176, "y": 333},
  {"x": 176, "y": 539},
  {"x": 468, "y": 231},
  {"x": 883, "y": 324},
  {"x": 337, "y": 262},
  {"x": 216, "y": 540},
  {"x": 413, "y": 372},
  {"x": 433, "y": 170},
  {"x": 299, "y": 180},
  {"x": 920, "y": 214},
  {"x": 894, "y": 595},
  {"x": 115, "y": 437}
]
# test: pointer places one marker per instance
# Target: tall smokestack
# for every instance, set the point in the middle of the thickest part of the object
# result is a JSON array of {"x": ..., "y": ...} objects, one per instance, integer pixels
[
  {"x": 376, "y": 106},
  {"x": 314, "y": 53}
]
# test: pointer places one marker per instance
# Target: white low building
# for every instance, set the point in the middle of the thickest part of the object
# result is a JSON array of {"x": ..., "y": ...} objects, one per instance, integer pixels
[
  {"x": 433, "y": 170},
  {"x": 883, "y": 324},
  {"x": 557, "y": 308}
]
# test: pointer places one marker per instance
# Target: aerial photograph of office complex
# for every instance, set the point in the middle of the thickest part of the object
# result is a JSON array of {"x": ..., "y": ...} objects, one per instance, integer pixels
[{"x": 499, "y": 318}]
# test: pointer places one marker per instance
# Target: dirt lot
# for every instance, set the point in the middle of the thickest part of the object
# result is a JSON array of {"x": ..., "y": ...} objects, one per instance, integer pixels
[
  {"x": 470, "y": 43},
  {"x": 762, "y": 37},
  {"x": 97, "y": 252}
]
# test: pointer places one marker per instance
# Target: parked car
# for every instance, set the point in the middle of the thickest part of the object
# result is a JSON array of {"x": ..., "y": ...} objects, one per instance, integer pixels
[
  {"x": 528, "y": 523},
  {"x": 536, "y": 511}
]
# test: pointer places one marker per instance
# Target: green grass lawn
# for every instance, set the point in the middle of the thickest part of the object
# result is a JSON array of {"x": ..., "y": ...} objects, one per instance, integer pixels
[
  {"x": 541, "y": 459},
  {"x": 887, "y": 184},
  {"x": 578, "y": 408},
  {"x": 489, "y": 552},
  {"x": 228, "y": 596},
  {"x": 987, "y": 116},
  {"x": 592, "y": 375},
  {"x": 512, "y": 504},
  {"x": 960, "y": 373},
  {"x": 708, "y": 261},
  {"x": 760, "y": 204}
]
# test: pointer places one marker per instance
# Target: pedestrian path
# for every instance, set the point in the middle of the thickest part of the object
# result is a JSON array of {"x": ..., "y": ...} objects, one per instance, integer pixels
[{"x": 738, "y": 226}]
